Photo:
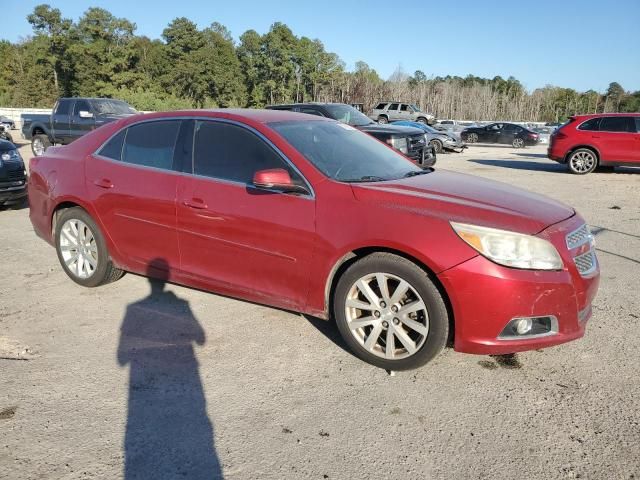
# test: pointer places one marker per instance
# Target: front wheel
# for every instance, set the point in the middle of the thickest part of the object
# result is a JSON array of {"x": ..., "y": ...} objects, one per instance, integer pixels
[
  {"x": 422, "y": 120},
  {"x": 382, "y": 119},
  {"x": 39, "y": 144},
  {"x": 582, "y": 161},
  {"x": 390, "y": 313},
  {"x": 472, "y": 138},
  {"x": 437, "y": 145},
  {"x": 82, "y": 250}
]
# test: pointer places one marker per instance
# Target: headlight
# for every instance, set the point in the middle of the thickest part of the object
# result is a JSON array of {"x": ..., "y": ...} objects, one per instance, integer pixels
[
  {"x": 510, "y": 248},
  {"x": 450, "y": 140},
  {"x": 399, "y": 144}
]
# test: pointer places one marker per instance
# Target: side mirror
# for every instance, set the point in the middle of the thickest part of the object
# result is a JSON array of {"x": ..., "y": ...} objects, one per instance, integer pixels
[
  {"x": 85, "y": 114},
  {"x": 277, "y": 180}
]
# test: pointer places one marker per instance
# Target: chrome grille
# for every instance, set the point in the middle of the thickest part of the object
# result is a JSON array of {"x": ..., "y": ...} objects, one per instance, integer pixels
[
  {"x": 579, "y": 237},
  {"x": 586, "y": 263}
]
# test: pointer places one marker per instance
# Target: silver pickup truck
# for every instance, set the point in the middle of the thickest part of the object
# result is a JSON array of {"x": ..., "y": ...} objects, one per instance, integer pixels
[{"x": 386, "y": 112}]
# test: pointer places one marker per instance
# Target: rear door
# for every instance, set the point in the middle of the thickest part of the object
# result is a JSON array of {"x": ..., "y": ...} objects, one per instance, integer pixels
[
  {"x": 393, "y": 112},
  {"x": 60, "y": 121},
  {"x": 405, "y": 112},
  {"x": 78, "y": 126},
  {"x": 616, "y": 139},
  {"x": 235, "y": 237},
  {"x": 132, "y": 181}
]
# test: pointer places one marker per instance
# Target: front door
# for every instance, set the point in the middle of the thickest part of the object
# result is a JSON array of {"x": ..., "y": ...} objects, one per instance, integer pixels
[
  {"x": 235, "y": 237},
  {"x": 60, "y": 121},
  {"x": 132, "y": 184},
  {"x": 616, "y": 139},
  {"x": 78, "y": 125}
]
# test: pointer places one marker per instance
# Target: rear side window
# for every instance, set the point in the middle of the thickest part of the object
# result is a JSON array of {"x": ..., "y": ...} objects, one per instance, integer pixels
[
  {"x": 64, "y": 107},
  {"x": 617, "y": 124},
  {"x": 394, "y": 106},
  {"x": 592, "y": 125},
  {"x": 151, "y": 144},
  {"x": 381, "y": 106},
  {"x": 113, "y": 148},
  {"x": 404, "y": 107},
  {"x": 230, "y": 152}
]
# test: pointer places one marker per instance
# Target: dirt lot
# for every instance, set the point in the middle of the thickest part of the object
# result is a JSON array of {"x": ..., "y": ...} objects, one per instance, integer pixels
[{"x": 264, "y": 393}]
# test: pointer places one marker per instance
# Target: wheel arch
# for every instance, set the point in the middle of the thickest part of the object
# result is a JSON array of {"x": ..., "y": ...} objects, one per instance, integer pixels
[
  {"x": 38, "y": 130},
  {"x": 357, "y": 253},
  {"x": 588, "y": 147}
]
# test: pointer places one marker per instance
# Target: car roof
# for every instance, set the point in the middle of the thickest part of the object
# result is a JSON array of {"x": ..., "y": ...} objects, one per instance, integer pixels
[
  {"x": 239, "y": 114},
  {"x": 596, "y": 115}
]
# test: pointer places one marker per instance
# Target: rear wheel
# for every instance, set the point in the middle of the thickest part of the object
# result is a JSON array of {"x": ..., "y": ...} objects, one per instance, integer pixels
[
  {"x": 82, "y": 250},
  {"x": 472, "y": 138},
  {"x": 422, "y": 120},
  {"x": 39, "y": 144},
  {"x": 517, "y": 142},
  {"x": 390, "y": 313},
  {"x": 382, "y": 119},
  {"x": 437, "y": 145},
  {"x": 582, "y": 161}
]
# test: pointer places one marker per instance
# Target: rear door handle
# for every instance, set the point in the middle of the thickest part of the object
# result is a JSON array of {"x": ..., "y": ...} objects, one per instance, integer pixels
[
  {"x": 104, "y": 183},
  {"x": 595, "y": 136},
  {"x": 196, "y": 203}
]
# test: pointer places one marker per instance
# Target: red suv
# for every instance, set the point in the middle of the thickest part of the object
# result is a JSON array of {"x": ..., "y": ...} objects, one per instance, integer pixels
[
  {"x": 309, "y": 214},
  {"x": 587, "y": 142}
]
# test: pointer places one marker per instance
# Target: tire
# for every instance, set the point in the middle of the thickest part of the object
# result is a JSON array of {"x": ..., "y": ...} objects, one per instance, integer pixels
[
  {"x": 39, "y": 144},
  {"x": 582, "y": 161},
  {"x": 437, "y": 146},
  {"x": 383, "y": 119},
  {"x": 422, "y": 120},
  {"x": 97, "y": 268},
  {"x": 425, "y": 329},
  {"x": 517, "y": 143},
  {"x": 472, "y": 138}
]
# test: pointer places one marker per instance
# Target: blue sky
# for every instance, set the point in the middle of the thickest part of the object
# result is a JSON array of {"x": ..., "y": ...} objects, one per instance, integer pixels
[{"x": 582, "y": 44}]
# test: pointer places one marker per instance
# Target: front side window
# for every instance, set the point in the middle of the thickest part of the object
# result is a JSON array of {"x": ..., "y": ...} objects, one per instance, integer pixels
[
  {"x": 404, "y": 107},
  {"x": 616, "y": 124},
  {"x": 349, "y": 115},
  {"x": 495, "y": 127},
  {"x": 229, "y": 152},
  {"x": 151, "y": 144},
  {"x": 107, "y": 106},
  {"x": 344, "y": 153},
  {"x": 81, "y": 106},
  {"x": 113, "y": 148}
]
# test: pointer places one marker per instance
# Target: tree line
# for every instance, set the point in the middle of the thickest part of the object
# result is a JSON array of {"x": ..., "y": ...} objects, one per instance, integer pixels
[{"x": 101, "y": 55}]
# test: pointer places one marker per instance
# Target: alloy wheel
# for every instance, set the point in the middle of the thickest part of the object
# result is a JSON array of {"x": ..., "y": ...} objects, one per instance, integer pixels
[
  {"x": 472, "y": 138},
  {"x": 583, "y": 161},
  {"x": 518, "y": 143},
  {"x": 38, "y": 147},
  {"x": 78, "y": 248},
  {"x": 387, "y": 316}
]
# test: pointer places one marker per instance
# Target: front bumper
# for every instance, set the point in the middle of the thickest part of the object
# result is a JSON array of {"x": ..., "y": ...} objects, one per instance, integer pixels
[
  {"x": 486, "y": 296},
  {"x": 13, "y": 194}
]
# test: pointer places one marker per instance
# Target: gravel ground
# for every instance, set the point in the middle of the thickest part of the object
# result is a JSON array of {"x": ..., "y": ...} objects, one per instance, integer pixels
[{"x": 201, "y": 385}]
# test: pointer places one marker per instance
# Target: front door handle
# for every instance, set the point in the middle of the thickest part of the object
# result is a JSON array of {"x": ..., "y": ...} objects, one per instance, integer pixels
[
  {"x": 595, "y": 136},
  {"x": 196, "y": 203},
  {"x": 104, "y": 183}
]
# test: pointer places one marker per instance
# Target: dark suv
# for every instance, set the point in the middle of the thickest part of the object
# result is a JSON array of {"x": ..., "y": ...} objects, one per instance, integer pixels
[
  {"x": 410, "y": 141},
  {"x": 13, "y": 176}
]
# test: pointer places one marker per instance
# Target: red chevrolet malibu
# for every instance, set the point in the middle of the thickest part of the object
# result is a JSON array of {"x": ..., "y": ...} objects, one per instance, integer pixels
[{"x": 309, "y": 214}]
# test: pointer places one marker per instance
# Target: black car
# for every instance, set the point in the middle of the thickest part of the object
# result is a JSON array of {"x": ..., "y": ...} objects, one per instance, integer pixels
[
  {"x": 13, "y": 176},
  {"x": 410, "y": 141},
  {"x": 508, "y": 133}
]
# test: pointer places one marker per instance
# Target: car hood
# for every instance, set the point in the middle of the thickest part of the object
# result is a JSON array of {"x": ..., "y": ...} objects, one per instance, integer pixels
[
  {"x": 464, "y": 198},
  {"x": 390, "y": 129}
]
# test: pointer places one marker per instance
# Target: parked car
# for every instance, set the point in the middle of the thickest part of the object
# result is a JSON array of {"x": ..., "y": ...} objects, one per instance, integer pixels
[
  {"x": 386, "y": 112},
  {"x": 13, "y": 176},
  {"x": 7, "y": 122},
  {"x": 409, "y": 141},
  {"x": 279, "y": 208},
  {"x": 544, "y": 134},
  {"x": 553, "y": 124},
  {"x": 71, "y": 118},
  {"x": 4, "y": 134},
  {"x": 440, "y": 141},
  {"x": 508, "y": 133},
  {"x": 606, "y": 140}
]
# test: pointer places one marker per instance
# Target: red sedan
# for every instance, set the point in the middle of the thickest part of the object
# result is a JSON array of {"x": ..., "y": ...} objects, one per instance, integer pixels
[
  {"x": 309, "y": 214},
  {"x": 589, "y": 142}
]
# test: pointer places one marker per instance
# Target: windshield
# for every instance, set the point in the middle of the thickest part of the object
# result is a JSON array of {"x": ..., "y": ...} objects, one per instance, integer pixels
[
  {"x": 344, "y": 153},
  {"x": 349, "y": 115},
  {"x": 112, "y": 107},
  {"x": 415, "y": 108}
]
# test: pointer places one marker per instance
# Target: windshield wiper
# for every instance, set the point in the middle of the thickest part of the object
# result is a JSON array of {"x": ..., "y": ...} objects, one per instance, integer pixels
[
  {"x": 413, "y": 173},
  {"x": 366, "y": 178}
]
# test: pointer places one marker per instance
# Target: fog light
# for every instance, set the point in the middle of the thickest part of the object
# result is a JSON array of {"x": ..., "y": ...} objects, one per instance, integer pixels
[{"x": 523, "y": 326}]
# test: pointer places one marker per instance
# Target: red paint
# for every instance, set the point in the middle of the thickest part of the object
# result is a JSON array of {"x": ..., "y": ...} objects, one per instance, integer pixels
[{"x": 282, "y": 249}]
